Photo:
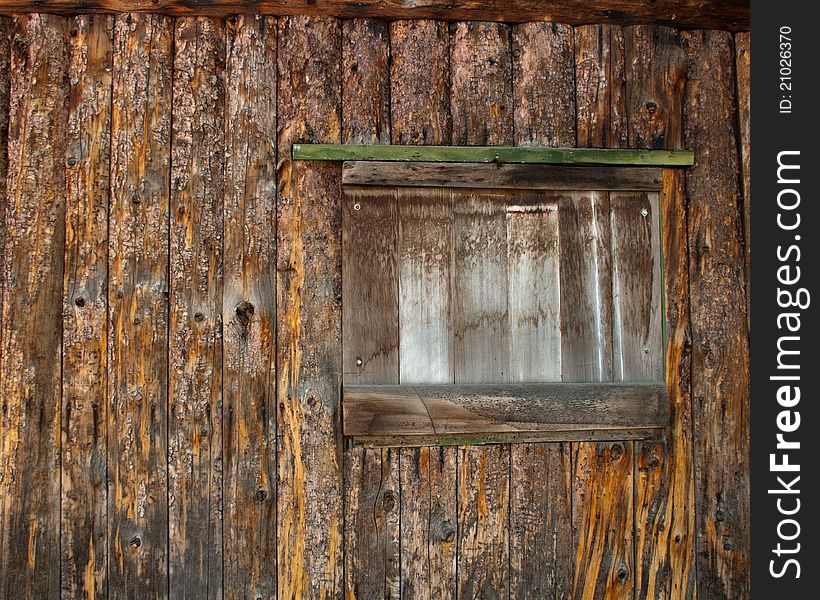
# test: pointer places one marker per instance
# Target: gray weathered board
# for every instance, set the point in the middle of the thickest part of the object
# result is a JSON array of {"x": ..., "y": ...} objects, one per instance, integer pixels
[{"x": 447, "y": 285}]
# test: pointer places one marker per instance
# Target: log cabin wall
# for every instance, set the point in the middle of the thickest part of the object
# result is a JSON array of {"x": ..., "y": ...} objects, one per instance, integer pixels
[{"x": 170, "y": 334}]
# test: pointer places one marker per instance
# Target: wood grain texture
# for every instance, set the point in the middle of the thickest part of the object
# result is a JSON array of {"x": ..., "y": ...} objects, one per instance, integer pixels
[
  {"x": 602, "y": 520},
  {"x": 720, "y": 345},
  {"x": 84, "y": 503},
  {"x": 419, "y": 83},
  {"x": 743, "y": 55},
  {"x": 543, "y": 85},
  {"x": 6, "y": 33},
  {"x": 365, "y": 81},
  {"x": 731, "y": 15},
  {"x": 429, "y": 523},
  {"x": 481, "y": 84},
  {"x": 600, "y": 84},
  {"x": 195, "y": 373},
  {"x": 655, "y": 70},
  {"x": 138, "y": 291},
  {"x": 310, "y": 506},
  {"x": 249, "y": 310},
  {"x": 30, "y": 339},
  {"x": 664, "y": 478},
  {"x": 499, "y": 176}
]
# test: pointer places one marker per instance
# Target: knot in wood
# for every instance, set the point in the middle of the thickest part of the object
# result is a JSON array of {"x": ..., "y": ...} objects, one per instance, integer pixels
[
  {"x": 448, "y": 532},
  {"x": 244, "y": 312},
  {"x": 389, "y": 501},
  {"x": 79, "y": 301},
  {"x": 261, "y": 495},
  {"x": 135, "y": 542},
  {"x": 199, "y": 317},
  {"x": 623, "y": 573},
  {"x": 616, "y": 451}
]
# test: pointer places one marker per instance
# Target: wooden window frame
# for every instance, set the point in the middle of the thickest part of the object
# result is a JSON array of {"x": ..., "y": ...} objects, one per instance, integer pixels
[{"x": 446, "y": 414}]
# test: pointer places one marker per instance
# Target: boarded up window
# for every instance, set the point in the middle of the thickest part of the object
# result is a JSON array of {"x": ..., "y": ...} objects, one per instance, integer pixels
[{"x": 488, "y": 281}]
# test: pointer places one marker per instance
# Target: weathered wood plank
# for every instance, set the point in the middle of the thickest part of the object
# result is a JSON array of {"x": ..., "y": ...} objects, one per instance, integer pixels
[
  {"x": 428, "y": 523},
  {"x": 366, "y": 82},
  {"x": 6, "y": 33},
  {"x": 743, "y": 52},
  {"x": 419, "y": 113},
  {"x": 637, "y": 344},
  {"x": 586, "y": 288},
  {"x": 138, "y": 307},
  {"x": 544, "y": 106},
  {"x": 84, "y": 503},
  {"x": 249, "y": 310},
  {"x": 599, "y": 87},
  {"x": 30, "y": 339},
  {"x": 533, "y": 292},
  {"x": 720, "y": 345},
  {"x": 544, "y": 94},
  {"x": 540, "y": 522},
  {"x": 195, "y": 373},
  {"x": 732, "y": 15},
  {"x": 372, "y": 523},
  {"x": 664, "y": 478},
  {"x": 515, "y": 439},
  {"x": 419, "y": 83},
  {"x": 490, "y": 408},
  {"x": 425, "y": 301},
  {"x": 370, "y": 286},
  {"x": 310, "y": 505},
  {"x": 655, "y": 70},
  {"x": 500, "y": 176},
  {"x": 481, "y": 86},
  {"x": 602, "y": 520}
]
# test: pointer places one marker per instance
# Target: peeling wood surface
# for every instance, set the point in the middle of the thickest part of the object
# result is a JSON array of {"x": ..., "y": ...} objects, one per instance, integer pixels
[
  {"x": 138, "y": 291},
  {"x": 84, "y": 514},
  {"x": 30, "y": 339},
  {"x": 732, "y": 14},
  {"x": 309, "y": 509},
  {"x": 195, "y": 319},
  {"x": 720, "y": 344},
  {"x": 249, "y": 311}
]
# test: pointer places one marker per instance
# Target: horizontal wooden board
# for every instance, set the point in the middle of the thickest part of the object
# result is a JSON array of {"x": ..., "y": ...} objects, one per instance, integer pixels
[
  {"x": 732, "y": 15},
  {"x": 495, "y": 154},
  {"x": 500, "y": 176},
  {"x": 459, "y": 411}
]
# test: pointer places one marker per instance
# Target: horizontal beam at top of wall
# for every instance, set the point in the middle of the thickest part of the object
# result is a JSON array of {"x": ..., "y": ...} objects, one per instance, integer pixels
[
  {"x": 496, "y": 154},
  {"x": 732, "y": 15}
]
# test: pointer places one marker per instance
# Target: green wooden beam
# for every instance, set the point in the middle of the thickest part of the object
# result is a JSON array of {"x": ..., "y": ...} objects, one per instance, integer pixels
[{"x": 500, "y": 154}]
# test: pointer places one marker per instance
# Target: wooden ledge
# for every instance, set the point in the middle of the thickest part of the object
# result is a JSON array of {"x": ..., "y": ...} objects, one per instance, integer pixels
[
  {"x": 378, "y": 415},
  {"x": 495, "y": 154}
]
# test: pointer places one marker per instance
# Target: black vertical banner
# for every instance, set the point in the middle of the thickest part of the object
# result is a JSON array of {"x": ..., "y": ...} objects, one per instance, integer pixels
[{"x": 784, "y": 266}]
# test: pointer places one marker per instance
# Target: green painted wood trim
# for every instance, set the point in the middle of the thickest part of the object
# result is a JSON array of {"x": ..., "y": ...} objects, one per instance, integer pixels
[{"x": 501, "y": 154}]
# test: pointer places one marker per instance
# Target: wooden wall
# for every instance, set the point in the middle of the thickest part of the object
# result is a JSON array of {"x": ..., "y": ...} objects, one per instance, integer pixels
[{"x": 170, "y": 333}]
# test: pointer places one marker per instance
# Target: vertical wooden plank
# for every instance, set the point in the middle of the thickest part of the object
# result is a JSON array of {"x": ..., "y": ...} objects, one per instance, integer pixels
[
  {"x": 720, "y": 344},
  {"x": 533, "y": 292},
  {"x": 481, "y": 107},
  {"x": 425, "y": 301},
  {"x": 419, "y": 82},
  {"x": 655, "y": 67},
  {"x": 586, "y": 288},
  {"x": 310, "y": 491},
  {"x": 419, "y": 113},
  {"x": 600, "y": 86},
  {"x": 428, "y": 523},
  {"x": 602, "y": 520},
  {"x": 6, "y": 33},
  {"x": 543, "y": 79},
  {"x": 541, "y": 557},
  {"x": 195, "y": 373},
  {"x": 138, "y": 307},
  {"x": 481, "y": 86},
  {"x": 637, "y": 345},
  {"x": 743, "y": 53},
  {"x": 32, "y": 266},
  {"x": 84, "y": 515},
  {"x": 249, "y": 310},
  {"x": 366, "y": 81},
  {"x": 370, "y": 344},
  {"x": 664, "y": 483}
]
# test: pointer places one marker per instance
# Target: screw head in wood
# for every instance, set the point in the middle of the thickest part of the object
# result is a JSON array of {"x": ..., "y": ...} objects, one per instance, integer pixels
[
  {"x": 359, "y": 361},
  {"x": 357, "y": 206},
  {"x": 644, "y": 212}
]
